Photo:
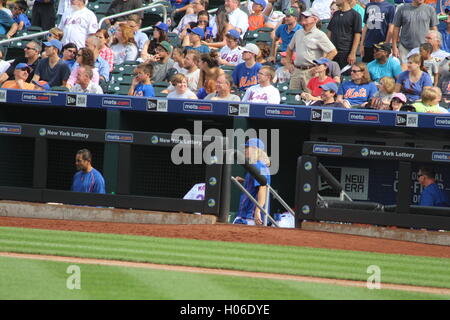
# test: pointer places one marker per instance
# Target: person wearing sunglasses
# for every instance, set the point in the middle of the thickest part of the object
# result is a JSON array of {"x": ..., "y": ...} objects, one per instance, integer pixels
[
  {"x": 21, "y": 73},
  {"x": 31, "y": 58},
  {"x": 432, "y": 195},
  {"x": 69, "y": 54},
  {"x": 359, "y": 90},
  {"x": 19, "y": 15}
]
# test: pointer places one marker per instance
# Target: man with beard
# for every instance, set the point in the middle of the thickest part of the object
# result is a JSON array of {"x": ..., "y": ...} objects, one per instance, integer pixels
[
  {"x": 78, "y": 23},
  {"x": 87, "y": 179}
]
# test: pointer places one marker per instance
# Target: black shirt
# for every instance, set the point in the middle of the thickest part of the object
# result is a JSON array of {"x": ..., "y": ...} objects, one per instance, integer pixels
[{"x": 343, "y": 26}]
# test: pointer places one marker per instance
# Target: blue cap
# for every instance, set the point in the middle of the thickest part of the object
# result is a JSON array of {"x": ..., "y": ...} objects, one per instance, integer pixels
[
  {"x": 322, "y": 61},
  {"x": 330, "y": 86},
  {"x": 22, "y": 65},
  {"x": 54, "y": 43},
  {"x": 255, "y": 142},
  {"x": 260, "y": 2},
  {"x": 234, "y": 33},
  {"x": 198, "y": 31},
  {"x": 43, "y": 84},
  {"x": 162, "y": 26}
]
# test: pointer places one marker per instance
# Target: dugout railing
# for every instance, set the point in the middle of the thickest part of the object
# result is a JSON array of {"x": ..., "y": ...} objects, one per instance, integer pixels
[
  {"x": 31, "y": 168},
  {"x": 312, "y": 207}
]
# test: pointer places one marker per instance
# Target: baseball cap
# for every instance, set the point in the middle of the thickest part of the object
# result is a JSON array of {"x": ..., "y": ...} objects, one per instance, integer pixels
[
  {"x": 166, "y": 46},
  {"x": 233, "y": 33},
  {"x": 330, "y": 86},
  {"x": 310, "y": 12},
  {"x": 292, "y": 12},
  {"x": 260, "y": 2},
  {"x": 162, "y": 26},
  {"x": 198, "y": 31},
  {"x": 322, "y": 61},
  {"x": 255, "y": 142},
  {"x": 54, "y": 43},
  {"x": 43, "y": 84},
  {"x": 383, "y": 46},
  {"x": 252, "y": 48},
  {"x": 400, "y": 96},
  {"x": 23, "y": 66}
]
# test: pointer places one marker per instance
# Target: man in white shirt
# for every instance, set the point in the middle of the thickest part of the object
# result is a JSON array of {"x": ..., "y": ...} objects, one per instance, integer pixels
[
  {"x": 238, "y": 19},
  {"x": 263, "y": 92},
  {"x": 78, "y": 23},
  {"x": 434, "y": 38},
  {"x": 84, "y": 83}
]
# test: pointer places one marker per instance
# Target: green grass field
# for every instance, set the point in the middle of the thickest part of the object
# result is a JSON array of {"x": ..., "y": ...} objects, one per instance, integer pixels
[{"x": 29, "y": 279}]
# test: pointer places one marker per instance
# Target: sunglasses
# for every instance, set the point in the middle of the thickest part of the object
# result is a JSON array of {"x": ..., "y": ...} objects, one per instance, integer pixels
[{"x": 355, "y": 71}]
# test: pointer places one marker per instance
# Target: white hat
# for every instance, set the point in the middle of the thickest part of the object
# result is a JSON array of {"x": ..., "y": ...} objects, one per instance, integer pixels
[
  {"x": 310, "y": 12},
  {"x": 252, "y": 48}
]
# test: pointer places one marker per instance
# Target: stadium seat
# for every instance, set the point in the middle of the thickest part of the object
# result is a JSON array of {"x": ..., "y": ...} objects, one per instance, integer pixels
[
  {"x": 118, "y": 88},
  {"x": 123, "y": 69},
  {"x": 158, "y": 92},
  {"x": 282, "y": 87}
]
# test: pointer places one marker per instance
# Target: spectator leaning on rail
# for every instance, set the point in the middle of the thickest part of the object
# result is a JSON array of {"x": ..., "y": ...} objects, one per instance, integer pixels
[
  {"x": 84, "y": 82},
  {"x": 87, "y": 179},
  {"x": 248, "y": 212},
  {"x": 309, "y": 44},
  {"x": 78, "y": 23},
  {"x": 52, "y": 69},
  {"x": 264, "y": 91},
  {"x": 431, "y": 195},
  {"x": 31, "y": 58},
  {"x": 21, "y": 73}
]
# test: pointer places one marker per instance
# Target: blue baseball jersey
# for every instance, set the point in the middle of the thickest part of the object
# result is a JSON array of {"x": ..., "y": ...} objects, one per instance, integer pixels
[
  {"x": 144, "y": 90},
  {"x": 357, "y": 93},
  {"x": 434, "y": 196},
  {"x": 245, "y": 77},
  {"x": 88, "y": 182},
  {"x": 246, "y": 206}
]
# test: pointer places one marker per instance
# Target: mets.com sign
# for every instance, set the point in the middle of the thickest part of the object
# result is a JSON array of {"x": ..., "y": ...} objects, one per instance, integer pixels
[{"x": 440, "y": 156}]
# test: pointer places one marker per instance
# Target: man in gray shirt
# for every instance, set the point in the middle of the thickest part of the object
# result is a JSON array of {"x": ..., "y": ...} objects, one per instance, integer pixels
[
  {"x": 412, "y": 21},
  {"x": 161, "y": 62}
]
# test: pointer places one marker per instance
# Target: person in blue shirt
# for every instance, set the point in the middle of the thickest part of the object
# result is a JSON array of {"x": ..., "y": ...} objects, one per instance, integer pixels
[
  {"x": 432, "y": 195},
  {"x": 195, "y": 40},
  {"x": 383, "y": 65},
  {"x": 286, "y": 31},
  {"x": 359, "y": 90},
  {"x": 141, "y": 85},
  {"x": 248, "y": 212},
  {"x": 245, "y": 74},
  {"x": 87, "y": 179},
  {"x": 69, "y": 53},
  {"x": 444, "y": 29},
  {"x": 412, "y": 81},
  {"x": 19, "y": 16}
]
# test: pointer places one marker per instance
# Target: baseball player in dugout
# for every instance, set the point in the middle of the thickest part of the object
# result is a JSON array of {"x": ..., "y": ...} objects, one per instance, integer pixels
[{"x": 87, "y": 179}]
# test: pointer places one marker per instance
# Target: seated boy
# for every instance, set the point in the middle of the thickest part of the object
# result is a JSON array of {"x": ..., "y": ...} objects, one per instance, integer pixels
[{"x": 141, "y": 84}]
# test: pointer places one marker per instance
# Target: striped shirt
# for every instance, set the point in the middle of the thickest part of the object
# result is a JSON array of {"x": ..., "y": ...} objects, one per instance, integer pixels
[{"x": 107, "y": 54}]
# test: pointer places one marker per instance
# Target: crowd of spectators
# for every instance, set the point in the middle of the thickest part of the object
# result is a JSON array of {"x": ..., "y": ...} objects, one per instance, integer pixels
[{"x": 374, "y": 54}]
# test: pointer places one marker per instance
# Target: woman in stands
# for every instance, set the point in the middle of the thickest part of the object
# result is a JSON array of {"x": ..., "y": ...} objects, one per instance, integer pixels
[
  {"x": 105, "y": 51},
  {"x": 69, "y": 54},
  {"x": 85, "y": 57},
  {"x": 209, "y": 72},
  {"x": 182, "y": 91},
  {"x": 359, "y": 90},
  {"x": 314, "y": 91},
  {"x": 412, "y": 81},
  {"x": 159, "y": 35},
  {"x": 124, "y": 47}
]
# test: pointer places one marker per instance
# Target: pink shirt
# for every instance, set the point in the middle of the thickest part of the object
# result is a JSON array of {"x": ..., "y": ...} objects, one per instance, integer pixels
[
  {"x": 107, "y": 54},
  {"x": 73, "y": 76}
]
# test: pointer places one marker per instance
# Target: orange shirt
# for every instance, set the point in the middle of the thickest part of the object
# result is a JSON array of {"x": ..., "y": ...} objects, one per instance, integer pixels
[
  {"x": 11, "y": 84},
  {"x": 255, "y": 22}
]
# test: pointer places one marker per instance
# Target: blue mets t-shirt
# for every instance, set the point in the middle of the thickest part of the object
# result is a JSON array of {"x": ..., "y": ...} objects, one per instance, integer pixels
[
  {"x": 144, "y": 90},
  {"x": 88, "y": 182},
  {"x": 434, "y": 196},
  {"x": 246, "y": 206},
  {"x": 357, "y": 93},
  {"x": 245, "y": 77}
]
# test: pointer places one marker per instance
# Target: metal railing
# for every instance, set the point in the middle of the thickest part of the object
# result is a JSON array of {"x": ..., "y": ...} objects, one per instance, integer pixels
[{"x": 43, "y": 33}]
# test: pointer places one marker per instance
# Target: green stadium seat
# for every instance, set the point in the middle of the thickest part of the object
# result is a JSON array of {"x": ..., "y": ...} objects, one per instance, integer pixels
[
  {"x": 118, "y": 88},
  {"x": 282, "y": 87},
  {"x": 123, "y": 69}
]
